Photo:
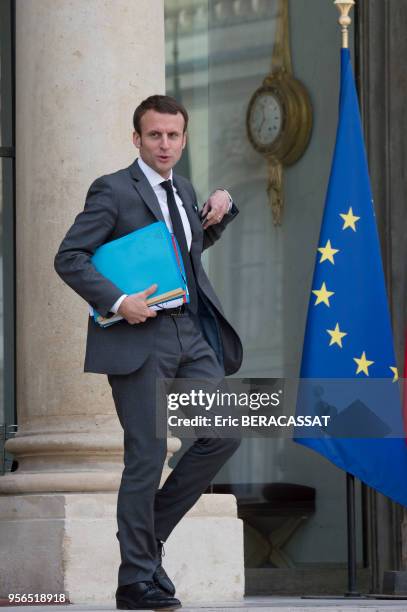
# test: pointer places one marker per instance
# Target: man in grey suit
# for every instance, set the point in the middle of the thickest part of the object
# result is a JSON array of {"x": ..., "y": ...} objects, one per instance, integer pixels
[{"x": 177, "y": 340}]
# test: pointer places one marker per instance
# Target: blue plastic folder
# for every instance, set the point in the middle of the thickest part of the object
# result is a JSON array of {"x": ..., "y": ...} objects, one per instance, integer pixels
[{"x": 140, "y": 259}]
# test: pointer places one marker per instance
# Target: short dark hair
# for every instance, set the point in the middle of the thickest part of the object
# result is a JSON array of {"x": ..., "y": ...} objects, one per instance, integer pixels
[{"x": 161, "y": 104}]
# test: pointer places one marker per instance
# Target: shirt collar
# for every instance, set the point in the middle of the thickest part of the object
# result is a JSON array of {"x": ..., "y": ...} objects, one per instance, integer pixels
[{"x": 151, "y": 175}]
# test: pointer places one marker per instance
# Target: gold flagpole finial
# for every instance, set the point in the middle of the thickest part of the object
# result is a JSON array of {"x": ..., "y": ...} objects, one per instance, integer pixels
[{"x": 344, "y": 6}]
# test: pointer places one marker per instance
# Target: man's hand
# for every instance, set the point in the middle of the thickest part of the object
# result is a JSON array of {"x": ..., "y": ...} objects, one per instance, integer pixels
[
  {"x": 134, "y": 307},
  {"x": 216, "y": 206}
]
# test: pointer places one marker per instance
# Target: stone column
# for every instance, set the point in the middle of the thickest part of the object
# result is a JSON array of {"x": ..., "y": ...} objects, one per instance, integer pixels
[{"x": 82, "y": 68}]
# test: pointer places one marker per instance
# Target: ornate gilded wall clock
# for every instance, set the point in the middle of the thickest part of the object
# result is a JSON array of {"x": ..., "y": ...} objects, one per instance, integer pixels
[{"x": 279, "y": 115}]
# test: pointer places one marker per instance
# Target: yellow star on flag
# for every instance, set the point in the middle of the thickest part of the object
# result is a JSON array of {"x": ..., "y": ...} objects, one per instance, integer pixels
[
  {"x": 395, "y": 372},
  {"x": 336, "y": 335},
  {"x": 363, "y": 364},
  {"x": 350, "y": 219},
  {"x": 323, "y": 295},
  {"x": 327, "y": 253}
]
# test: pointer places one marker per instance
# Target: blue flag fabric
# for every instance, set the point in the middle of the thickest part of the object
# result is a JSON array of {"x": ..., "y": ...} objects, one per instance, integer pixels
[{"x": 348, "y": 333}]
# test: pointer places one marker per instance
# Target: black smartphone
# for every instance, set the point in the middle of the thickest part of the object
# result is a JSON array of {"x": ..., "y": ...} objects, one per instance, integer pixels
[{"x": 203, "y": 216}]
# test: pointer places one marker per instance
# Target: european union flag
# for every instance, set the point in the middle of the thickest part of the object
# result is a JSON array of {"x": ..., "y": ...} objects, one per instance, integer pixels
[{"x": 348, "y": 333}]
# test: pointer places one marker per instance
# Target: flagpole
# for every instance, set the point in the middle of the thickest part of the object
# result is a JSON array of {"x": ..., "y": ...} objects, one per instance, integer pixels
[
  {"x": 351, "y": 528},
  {"x": 344, "y": 7}
]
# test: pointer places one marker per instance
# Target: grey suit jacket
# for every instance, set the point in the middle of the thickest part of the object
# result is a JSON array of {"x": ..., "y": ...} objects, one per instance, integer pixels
[{"x": 116, "y": 205}]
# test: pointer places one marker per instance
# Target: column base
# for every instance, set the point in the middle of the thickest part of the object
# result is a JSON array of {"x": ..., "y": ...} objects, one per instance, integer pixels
[{"x": 65, "y": 543}]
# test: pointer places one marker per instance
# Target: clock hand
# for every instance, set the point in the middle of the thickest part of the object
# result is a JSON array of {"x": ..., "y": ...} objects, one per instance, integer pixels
[{"x": 264, "y": 118}]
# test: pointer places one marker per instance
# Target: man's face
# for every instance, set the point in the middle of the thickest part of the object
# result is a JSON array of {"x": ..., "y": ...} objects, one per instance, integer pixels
[{"x": 161, "y": 140}]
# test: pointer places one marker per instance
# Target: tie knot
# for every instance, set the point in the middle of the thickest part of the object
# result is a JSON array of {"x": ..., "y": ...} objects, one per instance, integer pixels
[{"x": 167, "y": 185}]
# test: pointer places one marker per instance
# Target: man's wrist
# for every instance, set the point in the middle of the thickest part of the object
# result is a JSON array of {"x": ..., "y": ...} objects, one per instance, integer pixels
[
  {"x": 117, "y": 303},
  {"x": 229, "y": 196}
]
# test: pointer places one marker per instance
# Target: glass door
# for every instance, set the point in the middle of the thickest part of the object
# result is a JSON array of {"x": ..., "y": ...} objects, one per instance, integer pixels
[{"x": 291, "y": 500}]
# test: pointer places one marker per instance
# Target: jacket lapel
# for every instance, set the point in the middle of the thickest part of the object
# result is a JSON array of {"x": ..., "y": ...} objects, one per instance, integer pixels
[
  {"x": 145, "y": 190},
  {"x": 147, "y": 194}
]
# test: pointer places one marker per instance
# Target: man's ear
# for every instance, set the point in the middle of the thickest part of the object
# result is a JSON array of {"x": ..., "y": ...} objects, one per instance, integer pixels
[
  {"x": 184, "y": 142},
  {"x": 136, "y": 139}
]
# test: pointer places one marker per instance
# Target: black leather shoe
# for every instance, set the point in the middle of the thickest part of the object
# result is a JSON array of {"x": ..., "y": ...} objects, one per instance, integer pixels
[
  {"x": 144, "y": 596},
  {"x": 160, "y": 576}
]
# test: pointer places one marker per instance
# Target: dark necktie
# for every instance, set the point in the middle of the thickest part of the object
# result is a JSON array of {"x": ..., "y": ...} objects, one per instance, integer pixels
[{"x": 179, "y": 233}]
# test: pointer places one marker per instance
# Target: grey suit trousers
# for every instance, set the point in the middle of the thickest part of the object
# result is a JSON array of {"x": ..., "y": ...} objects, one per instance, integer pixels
[{"x": 144, "y": 512}]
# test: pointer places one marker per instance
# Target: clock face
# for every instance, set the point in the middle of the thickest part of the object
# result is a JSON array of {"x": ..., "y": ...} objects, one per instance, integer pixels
[{"x": 266, "y": 119}]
